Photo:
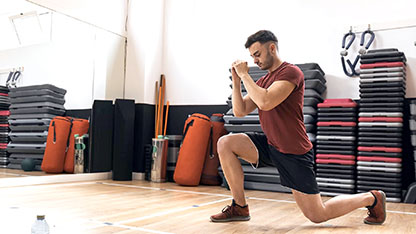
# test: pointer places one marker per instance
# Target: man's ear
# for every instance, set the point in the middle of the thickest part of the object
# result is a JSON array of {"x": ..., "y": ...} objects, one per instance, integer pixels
[{"x": 272, "y": 47}]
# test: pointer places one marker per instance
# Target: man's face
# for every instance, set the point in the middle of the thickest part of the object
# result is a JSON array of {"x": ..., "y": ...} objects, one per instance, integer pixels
[{"x": 261, "y": 54}]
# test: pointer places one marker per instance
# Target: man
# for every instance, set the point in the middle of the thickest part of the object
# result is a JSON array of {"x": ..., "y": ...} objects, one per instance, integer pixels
[{"x": 279, "y": 97}]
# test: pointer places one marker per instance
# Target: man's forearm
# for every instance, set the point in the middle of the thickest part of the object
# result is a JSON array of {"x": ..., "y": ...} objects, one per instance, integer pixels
[
  {"x": 257, "y": 94},
  {"x": 237, "y": 100}
]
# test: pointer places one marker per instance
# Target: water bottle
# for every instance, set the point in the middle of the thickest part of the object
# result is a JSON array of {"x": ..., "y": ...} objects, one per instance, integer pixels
[{"x": 40, "y": 226}]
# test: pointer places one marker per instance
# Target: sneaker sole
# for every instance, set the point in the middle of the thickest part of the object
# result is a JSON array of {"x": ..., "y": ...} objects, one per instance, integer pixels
[
  {"x": 384, "y": 209},
  {"x": 236, "y": 218}
]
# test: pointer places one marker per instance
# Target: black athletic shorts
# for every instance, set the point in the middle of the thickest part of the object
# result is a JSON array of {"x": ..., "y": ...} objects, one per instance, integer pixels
[{"x": 296, "y": 171}]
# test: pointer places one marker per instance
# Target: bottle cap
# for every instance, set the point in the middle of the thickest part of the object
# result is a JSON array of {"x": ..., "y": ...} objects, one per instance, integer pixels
[{"x": 40, "y": 217}]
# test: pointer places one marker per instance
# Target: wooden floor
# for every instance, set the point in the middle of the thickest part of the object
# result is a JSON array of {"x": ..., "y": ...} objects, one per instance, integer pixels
[
  {"x": 142, "y": 207},
  {"x": 13, "y": 173}
]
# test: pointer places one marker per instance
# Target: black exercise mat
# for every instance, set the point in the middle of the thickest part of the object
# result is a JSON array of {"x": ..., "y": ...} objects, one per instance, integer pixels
[
  {"x": 316, "y": 85},
  {"x": 385, "y": 59},
  {"x": 382, "y": 84},
  {"x": 311, "y": 101},
  {"x": 332, "y": 175},
  {"x": 336, "y": 147},
  {"x": 336, "y": 128},
  {"x": 337, "y": 118},
  {"x": 380, "y": 109},
  {"x": 45, "y": 98},
  {"x": 376, "y": 100},
  {"x": 336, "y": 109},
  {"x": 310, "y": 66},
  {"x": 378, "y": 178}
]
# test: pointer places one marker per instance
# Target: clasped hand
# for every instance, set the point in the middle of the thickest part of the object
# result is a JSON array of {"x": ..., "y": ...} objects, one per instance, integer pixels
[{"x": 240, "y": 68}]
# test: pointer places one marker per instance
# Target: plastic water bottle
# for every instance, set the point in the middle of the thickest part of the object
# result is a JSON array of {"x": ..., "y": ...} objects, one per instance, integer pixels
[{"x": 40, "y": 226}]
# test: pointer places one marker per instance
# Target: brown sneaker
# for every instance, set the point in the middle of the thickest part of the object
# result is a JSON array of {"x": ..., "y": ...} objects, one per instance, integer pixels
[
  {"x": 377, "y": 212},
  {"x": 232, "y": 213}
]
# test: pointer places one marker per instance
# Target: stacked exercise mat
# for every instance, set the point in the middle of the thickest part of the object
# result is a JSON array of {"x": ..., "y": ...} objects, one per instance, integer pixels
[
  {"x": 335, "y": 146},
  {"x": 315, "y": 86},
  {"x": 4, "y": 125},
  {"x": 268, "y": 178},
  {"x": 380, "y": 127},
  {"x": 31, "y": 110}
]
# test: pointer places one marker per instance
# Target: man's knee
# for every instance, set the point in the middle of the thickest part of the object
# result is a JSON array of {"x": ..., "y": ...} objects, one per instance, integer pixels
[
  {"x": 315, "y": 218},
  {"x": 223, "y": 144}
]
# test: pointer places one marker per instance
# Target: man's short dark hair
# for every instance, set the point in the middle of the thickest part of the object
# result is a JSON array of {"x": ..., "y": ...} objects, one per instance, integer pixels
[{"x": 261, "y": 36}]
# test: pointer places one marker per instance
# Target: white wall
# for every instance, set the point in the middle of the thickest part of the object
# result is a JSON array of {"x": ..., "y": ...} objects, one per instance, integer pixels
[
  {"x": 86, "y": 61},
  {"x": 203, "y": 37},
  {"x": 108, "y": 15},
  {"x": 144, "y": 50}
]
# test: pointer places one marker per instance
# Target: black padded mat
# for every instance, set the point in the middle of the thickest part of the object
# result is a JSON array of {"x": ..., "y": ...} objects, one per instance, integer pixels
[
  {"x": 335, "y": 171},
  {"x": 310, "y": 101},
  {"x": 383, "y": 94},
  {"x": 378, "y": 178},
  {"x": 375, "y": 100},
  {"x": 336, "y": 147},
  {"x": 44, "y": 110},
  {"x": 332, "y": 175},
  {"x": 336, "y": 109},
  {"x": 387, "y": 144},
  {"x": 36, "y": 93},
  {"x": 382, "y": 104},
  {"x": 382, "y": 84},
  {"x": 336, "y": 114},
  {"x": 316, "y": 85},
  {"x": 336, "y": 128},
  {"x": 39, "y": 87},
  {"x": 382, "y": 89},
  {"x": 382, "y": 54},
  {"x": 45, "y": 98},
  {"x": 378, "y": 174},
  {"x": 379, "y": 134},
  {"x": 385, "y": 59},
  {"x": 337, "y": 118},
  {"x": 384, "y": 139},
  {"x": 310, "y": 66},
  {"x": 380, "y": 109},
  {"x": 382, "y": 154},
  {"x": 335, "y": 166}
]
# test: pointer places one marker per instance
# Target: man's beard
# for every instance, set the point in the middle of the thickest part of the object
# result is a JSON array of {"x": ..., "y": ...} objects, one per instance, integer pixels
[{"x": 268, "y": 63}]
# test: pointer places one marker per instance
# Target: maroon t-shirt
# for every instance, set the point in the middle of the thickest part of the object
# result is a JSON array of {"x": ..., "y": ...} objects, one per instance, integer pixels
[{"x": 283, "y": 125}]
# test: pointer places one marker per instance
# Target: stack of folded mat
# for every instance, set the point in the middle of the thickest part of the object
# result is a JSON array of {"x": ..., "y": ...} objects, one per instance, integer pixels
[
  {"x": 315, "y": 86},
  {"x": 31, "y": 110},
  {"x": 267, "y": 178},
  {"x": 4, "y": 125},
  {"x": 380, "y": 127},
  {"x": 335, "y": 146}
]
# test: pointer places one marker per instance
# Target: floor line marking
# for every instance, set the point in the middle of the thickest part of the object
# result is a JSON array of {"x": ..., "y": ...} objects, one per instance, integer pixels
[{"x": 223, "y": 195}]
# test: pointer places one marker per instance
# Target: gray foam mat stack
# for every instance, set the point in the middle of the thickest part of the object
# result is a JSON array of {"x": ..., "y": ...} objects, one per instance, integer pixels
[
  {"x": 315, "y": 87},
  {"x": 4, "y": 125},
  {"x": 32, "y": 109},
  {"x": 380, "y": 123}
]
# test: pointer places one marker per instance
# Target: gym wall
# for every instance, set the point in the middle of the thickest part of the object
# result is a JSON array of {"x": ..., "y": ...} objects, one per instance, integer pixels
[
  {"x": 85, "y": 60},
  {"x": 202, "y": 38}
]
